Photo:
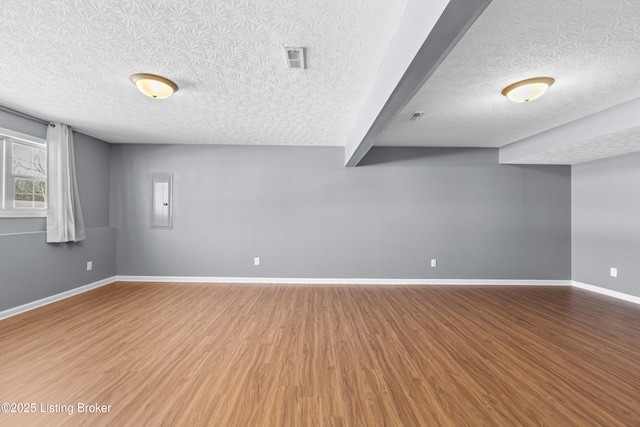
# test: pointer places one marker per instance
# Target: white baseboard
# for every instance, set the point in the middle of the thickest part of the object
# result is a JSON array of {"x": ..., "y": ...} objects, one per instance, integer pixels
[
  {"x": 312, "y": 281},
  {"x": 351, "y": 281},
  {"x": 605, "y": 291},
  {"x": 53, "y": 298}
]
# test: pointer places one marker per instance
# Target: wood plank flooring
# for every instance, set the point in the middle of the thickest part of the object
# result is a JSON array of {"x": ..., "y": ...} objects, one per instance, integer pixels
[{"x": 316, "y": 355}]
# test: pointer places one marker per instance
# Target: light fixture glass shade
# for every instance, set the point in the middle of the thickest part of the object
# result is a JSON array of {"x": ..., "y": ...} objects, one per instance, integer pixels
[
  {"x": 528, "y": 90},
  {"x": 154, "y": 86}
]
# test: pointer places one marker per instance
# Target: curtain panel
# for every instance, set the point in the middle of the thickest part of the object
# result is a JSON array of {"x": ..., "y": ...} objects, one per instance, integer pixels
[{"x": 64, "y": 215}]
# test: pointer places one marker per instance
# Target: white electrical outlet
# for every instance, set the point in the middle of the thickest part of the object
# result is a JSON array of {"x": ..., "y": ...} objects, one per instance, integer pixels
[
  {"x": 613, "y": 272},
  {"x": 434, "y": 262},
  {"x": 256, "y": 261},
  {"x": 89, "y": 265}
]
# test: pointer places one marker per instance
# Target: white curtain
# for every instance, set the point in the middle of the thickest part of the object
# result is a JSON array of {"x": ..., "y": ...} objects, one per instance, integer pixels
[{"x": 64, "y": 216}]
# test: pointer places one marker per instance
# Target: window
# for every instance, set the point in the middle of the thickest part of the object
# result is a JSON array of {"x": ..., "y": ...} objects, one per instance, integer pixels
[{"x": 24, "y": 175}]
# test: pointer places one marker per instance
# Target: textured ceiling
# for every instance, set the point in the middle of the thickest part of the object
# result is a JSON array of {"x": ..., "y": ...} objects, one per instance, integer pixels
[
  {"x": 613, "y": 144},
  {"x": 591, "y": 48},
  {"x": 70, "y": 61}
]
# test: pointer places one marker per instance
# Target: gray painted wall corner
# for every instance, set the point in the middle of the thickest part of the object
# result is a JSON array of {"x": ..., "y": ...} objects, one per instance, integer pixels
[
  {"x": 606, "y": 223},
  {"x": 30, "y": 268}
]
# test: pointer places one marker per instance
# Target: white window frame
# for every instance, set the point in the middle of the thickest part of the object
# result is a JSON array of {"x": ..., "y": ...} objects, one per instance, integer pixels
[{"x": 6, "y": 179}]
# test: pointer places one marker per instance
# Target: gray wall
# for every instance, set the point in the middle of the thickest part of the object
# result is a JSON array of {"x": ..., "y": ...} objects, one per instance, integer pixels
[
  {"x": 306, "y": 215},
  {"x": 31, "y": 269},
  {"x": 22, "y": 125},
  {"x": 92, "y": 169},
  {"x": 606, "y": 223}
]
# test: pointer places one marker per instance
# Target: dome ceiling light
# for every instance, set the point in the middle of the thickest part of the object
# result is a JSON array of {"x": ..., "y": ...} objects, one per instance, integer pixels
[
  {"x": 528, "y": 90},
  {"x": 154, "y": 86}
]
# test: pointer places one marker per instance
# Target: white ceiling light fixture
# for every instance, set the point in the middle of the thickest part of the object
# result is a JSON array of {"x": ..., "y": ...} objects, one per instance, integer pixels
[
  {"x": 528, "y": 90},
  {"x": 154, "y": 86},
  {"x": 295, "y": 57}
]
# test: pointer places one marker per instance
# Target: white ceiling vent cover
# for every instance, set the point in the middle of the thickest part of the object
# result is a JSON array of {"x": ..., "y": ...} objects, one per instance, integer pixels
[{"x": 295, "y": 57}]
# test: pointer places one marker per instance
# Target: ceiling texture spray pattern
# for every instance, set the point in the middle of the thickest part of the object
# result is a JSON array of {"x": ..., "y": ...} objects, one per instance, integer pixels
[
  {"x": 590, "y": 47},
  {"x": 70, "y": 61},
  {"x": 613, "y": 144}
]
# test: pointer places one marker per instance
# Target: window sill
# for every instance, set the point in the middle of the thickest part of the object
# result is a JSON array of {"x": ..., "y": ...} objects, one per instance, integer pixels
[{"x": 23, "y": 214}]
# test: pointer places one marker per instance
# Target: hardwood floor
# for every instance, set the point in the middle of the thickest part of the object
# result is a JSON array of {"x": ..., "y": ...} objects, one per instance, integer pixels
[{"x": 292, "y": 355}]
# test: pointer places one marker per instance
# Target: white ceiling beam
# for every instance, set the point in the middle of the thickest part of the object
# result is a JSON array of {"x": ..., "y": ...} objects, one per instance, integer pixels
[
  {"x": 580, "y": 140},
  {"x": 428, "y": 31}
]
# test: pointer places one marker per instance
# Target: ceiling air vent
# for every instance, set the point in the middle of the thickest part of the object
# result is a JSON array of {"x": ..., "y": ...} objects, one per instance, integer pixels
[
  {"x": 294, "y": 57},
  {"x": 417, "y": 116}
]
